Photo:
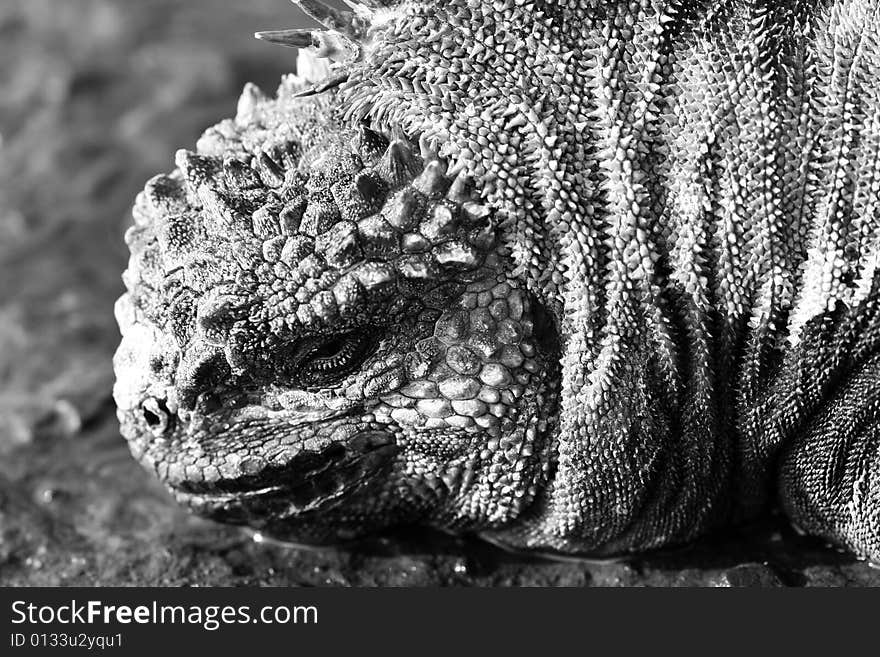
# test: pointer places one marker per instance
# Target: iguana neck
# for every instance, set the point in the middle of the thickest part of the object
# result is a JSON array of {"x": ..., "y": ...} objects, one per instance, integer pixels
[{"x": 640, "y": 185}]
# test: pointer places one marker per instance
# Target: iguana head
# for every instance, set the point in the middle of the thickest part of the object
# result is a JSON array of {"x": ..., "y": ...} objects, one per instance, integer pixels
[{"x": 322, "y": 333}]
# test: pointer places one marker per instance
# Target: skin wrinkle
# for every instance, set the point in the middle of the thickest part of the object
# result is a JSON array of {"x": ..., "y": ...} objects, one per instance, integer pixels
[{"x": 585, "y": 272}]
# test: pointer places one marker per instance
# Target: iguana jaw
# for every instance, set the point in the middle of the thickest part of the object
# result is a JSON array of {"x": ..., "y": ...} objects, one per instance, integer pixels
[
  {"x": 310, "y": 482},
  {"x": 246, "y": 464}
]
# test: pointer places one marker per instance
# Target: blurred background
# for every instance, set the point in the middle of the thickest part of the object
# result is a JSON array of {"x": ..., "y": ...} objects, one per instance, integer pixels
[{"x": 95, "y": 97}]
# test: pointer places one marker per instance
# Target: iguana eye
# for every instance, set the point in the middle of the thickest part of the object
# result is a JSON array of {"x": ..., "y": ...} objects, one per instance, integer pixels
[{"x": 328, "y": 360}]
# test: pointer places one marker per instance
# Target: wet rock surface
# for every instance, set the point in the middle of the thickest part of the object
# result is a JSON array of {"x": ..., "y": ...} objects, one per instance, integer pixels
[{"x": 96, "y": 96}]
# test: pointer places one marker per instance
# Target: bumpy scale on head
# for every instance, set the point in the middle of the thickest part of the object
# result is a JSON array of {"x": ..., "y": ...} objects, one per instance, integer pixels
[{"x": 326, "y": 328}]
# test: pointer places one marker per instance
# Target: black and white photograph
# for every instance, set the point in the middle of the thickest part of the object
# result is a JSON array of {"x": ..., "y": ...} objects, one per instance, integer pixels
[{"x": 437, "y": 293}]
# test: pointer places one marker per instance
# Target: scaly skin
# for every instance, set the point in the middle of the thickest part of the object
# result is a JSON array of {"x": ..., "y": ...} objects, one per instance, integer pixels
[{"x": 579, "y": 276}]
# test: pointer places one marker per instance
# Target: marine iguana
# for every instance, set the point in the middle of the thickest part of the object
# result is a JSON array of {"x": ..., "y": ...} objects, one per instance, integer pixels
[{"x": 585, "y": 276}]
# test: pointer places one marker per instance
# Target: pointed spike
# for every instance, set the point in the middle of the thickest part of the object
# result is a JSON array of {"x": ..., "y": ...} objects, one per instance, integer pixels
[
  {"x": 461, "y": 188},
  {"x": 324, "y": 14},
  {"x": 362, "y": 7},
  {"x": 221, "y": 213},
  {"x": 370, "y": 144},
  {"x": 328, "y": 84},
  {"x": 427, "y": 149},
  {"x": 332, "y": 83},
  {"x": 240, "y": 176},
  {"x": 330, "y": 45},
  {"x": 346, "y": 22},
  {"x": 348, "y": 292},
  {"x": 432, "y": 181},
  {"x": 440, "y": 222},
  {"x": 286, "y": 153},
  {"x": 270, "y": 171},
  {"x": 476, "y": 211},
  {"x": 404, "y": 209},
  {"x": 458, "y": 168},
  {"x": 397, "y": 133},
  {"x": 196, "y": 169},
  {"x": 251, "y": 97},
  {"x": 288, "y": 38},
  {"x": 398, "y": 165},
  {"x": 340, "y": 245},
  {"x": 166, "y": 194}
]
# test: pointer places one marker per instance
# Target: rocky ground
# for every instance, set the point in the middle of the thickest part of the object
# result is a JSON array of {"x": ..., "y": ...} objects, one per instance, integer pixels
[{"x": 95, "y": 97}]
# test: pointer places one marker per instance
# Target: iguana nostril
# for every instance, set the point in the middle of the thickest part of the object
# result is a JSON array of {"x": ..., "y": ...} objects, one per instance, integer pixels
[
  {"x": 152, "y": 419},
  {"x": 158, "y": 418}
]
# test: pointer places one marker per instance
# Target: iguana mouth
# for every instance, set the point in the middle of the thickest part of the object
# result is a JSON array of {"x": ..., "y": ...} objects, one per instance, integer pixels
[
  {"x": 307, "y": 465},
  {"x": 311, "y": 480}
]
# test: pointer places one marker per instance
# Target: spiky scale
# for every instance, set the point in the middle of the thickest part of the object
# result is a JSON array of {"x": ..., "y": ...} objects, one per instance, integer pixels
[{"x": 398, "y": 164}]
